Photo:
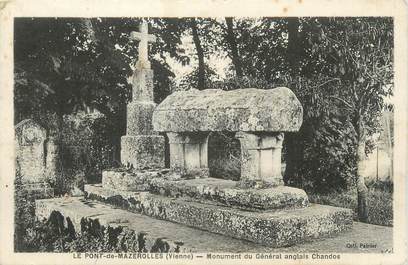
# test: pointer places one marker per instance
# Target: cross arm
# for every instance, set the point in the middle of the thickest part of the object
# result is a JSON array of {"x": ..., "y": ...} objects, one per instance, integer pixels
[{"x": 141, "y": 36}]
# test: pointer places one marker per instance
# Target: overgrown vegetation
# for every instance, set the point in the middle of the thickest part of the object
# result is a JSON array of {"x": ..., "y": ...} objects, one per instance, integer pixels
[
  {"x": 24, "y": 212},
  {"x": 380, "y": 199},
  {"x": 57, "y": 234}
]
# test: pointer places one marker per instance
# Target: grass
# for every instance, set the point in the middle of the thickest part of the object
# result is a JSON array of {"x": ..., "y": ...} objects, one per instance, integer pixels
[{"x": 380, "y": 197}]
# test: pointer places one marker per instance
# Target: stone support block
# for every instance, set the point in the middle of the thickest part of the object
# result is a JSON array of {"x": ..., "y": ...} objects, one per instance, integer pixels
[
  {"x": 143, "y": 151},
  {"x": 261, "y": 159},
  {"x": 129, "y": 180},
  {"x": 188, "y": 153}
]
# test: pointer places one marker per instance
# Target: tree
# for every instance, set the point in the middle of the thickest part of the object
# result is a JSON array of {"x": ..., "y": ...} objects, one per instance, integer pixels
[
  {"x": 65, "y": 65},
  {"x": 200, "y": 54},
  {"x": 340, "y": 69},
  {"x": 368, "y": 48},
  {"x": 354, "y": 56},
  {"x": 85, "y": 63},
  {"x": 294, "y": 150},
  {"x": 230, "y": 38}
]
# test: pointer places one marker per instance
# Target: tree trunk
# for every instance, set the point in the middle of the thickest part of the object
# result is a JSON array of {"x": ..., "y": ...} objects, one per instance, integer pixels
[
  {"x": 293, "y": 53},
  {"x": 362, "y": 190},
  {"x": 233, "y": 46},
  {"x": 293, "y": 148},
  {"x": 200, "y": 55},
  {"x": 293, "y": 159}
]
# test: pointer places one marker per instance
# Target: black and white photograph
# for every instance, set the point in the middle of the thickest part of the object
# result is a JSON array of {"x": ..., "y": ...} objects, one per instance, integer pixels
[{"x": 212, "y": 138}]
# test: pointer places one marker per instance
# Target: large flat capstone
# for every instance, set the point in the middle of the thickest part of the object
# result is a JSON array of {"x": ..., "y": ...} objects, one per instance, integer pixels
[{"x": 246, "y": 110}]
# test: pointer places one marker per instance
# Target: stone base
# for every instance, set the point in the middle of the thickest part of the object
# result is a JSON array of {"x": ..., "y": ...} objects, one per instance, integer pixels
[
  {"x": 261, "y": 183},
  {"x": 277, "y": 228},
  {"x": 149, "y": 235},
  {"x": 39, "y": 190},
  {"x": 139, "y": 118},
  {"x": 142, "y": 151},
  {"x": 207, "y": 190},
  {"x": 130, "y": 180},
  {"x": 193, "y": 173},
  {"x": 227, "y": 193}
]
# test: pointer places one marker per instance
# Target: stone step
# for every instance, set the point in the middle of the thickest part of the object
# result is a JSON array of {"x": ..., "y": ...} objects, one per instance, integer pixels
[
  {"x": 274, "y": 228},
  {"x": 221, "y": 191},
  {"x": 151, "y": 235},
  {"x": 158, "y": 235},
  {"x": 226, "y": 192}
]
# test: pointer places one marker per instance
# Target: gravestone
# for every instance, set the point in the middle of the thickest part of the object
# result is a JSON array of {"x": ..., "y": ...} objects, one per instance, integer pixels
[
  {"x": 141, "y": 147},
  {"x": 31, "y": 158}
]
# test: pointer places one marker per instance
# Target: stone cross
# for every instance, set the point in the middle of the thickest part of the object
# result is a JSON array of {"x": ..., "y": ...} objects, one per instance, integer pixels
[{"x": 143, "y": 37}]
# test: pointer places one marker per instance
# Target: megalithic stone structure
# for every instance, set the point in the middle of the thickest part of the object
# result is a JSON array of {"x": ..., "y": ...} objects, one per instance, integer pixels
[{"x": 141, "y": 147}]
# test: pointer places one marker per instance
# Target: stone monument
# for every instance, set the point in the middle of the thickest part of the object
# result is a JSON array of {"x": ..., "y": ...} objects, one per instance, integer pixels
[
  {"x": 258, "y": 208},
  {"x": 258, "y": 117},
  {"x": 141, "y": 147}
]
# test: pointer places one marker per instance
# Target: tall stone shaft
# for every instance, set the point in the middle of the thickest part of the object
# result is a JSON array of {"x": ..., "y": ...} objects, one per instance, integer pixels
[{"x": 141, "y": 147}]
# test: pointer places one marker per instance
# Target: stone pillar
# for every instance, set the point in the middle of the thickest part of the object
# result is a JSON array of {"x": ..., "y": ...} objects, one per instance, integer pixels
[
  {"x": 142, "y": 84},
  {"x": 189, "y": 154},
  {"x": 176, "y": 148},
  {"x": 261, "y": 159},
  {"x": 141, "y": 147}
]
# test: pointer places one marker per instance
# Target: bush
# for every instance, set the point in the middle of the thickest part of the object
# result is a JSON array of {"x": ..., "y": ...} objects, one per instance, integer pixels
[
  {"x": 380, "y": 198},
  {"x": 24, "y": 212},
  {"x": 87, "y": 148},
  {"x": 57, "y": 234},
  {"x": 324, "y": 151}
]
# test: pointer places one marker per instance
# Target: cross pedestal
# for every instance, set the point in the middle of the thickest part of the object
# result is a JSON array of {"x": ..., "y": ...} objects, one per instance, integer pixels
[{"x": 141, "y": 147}]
